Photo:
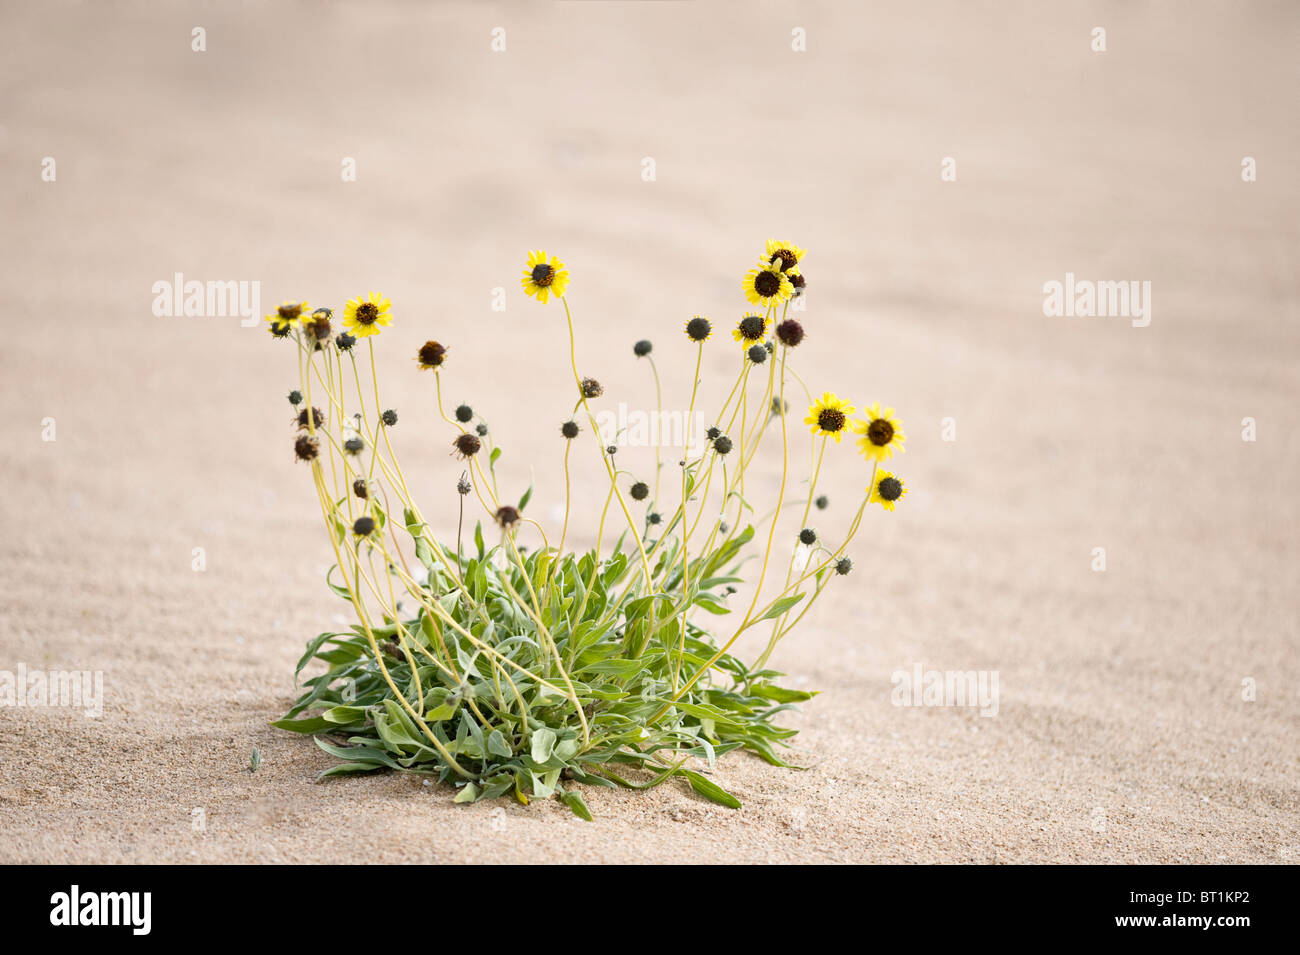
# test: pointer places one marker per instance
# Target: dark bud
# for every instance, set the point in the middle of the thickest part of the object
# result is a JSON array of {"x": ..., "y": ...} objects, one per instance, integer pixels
[
  {"x": 808, "y": 536},
  {"x": 642, "y": 348},
  {"x": 790, "y": 333},
  {"x": 640, "y": 491},
  {"x": 319, "y": 324},
  {"x": 507, "y": 516},
  {"x": 723, "y": 527},
  {"x": 611, "y": 450},
  {"x": 569, "y": 429},
  {"x": 295, "y": 397},
  {"x": 389, "y": 417},
  {"x": 359, "y": 488},
  {"x": 345, "y": 342},
  {"x": 466, "y": 445},
  {"x": 799, "y": 284},
  {"x": 306, "y": 447},
  {"x": 464, "y": 413},
  {"x": 698, "y": 329},
  {"x": 653, "y": 517},
  {"x": 353, "y": 445},
  {"x": 713, "y": 434},
  {"x": 843, "y": 566},
  {"x": 822, "y": 502},
  {"x": 722, "y": 445},
  {"x": 757, "y": 354},
  {"x": 480, "y": 429},
  {"x": 363, "y": 526},
  {"x": 591, "y": 388},
  {"x": 779, "y": 405}
]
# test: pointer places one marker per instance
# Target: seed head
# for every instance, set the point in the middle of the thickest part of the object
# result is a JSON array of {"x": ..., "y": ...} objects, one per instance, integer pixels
[
  {"x": 798, "y": 281},
  {"x": 591, "y": 388},
  {"x": 822, "y": 502},
  {"x": 612, "y": 450},
  {"x": 463, "y": 486},
  {"x": 569, "y": 429},
  {"x": 354, "y": 445},
  {"x": 713, "y": 434},
  {"x": 359, "y": 488},
  {"x": 363, "y": 526},
  {"x": 808, "y": 536},
  {"x": 779, "y": 405},
  {"x": 319, "y": 324},
  {"x": 464, "y": 413},
  {"x": 466, "y": 445},
  {"x": 481, "y": 429},
  {"x": 653, "y": 517},
  {"x": 642, "y": 348},
  {"x": 843, "y": 566},
  {"x": 757, "y": 354},
  {"x": 295, "y": 397},
  {"x": 640, "y": 491},
  {"x": 722, "y": 444},
  {"x": 389, "y": 417}
]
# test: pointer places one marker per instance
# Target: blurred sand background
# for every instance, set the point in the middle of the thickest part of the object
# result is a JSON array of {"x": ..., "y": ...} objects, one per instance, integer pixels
[{"x": 1122, "y": 735}]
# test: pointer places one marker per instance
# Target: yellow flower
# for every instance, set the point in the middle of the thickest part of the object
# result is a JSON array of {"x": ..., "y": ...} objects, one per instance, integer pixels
[
  {"x": 887, "y": 490},
  {"x": 882, "y": 434},
  {"x": 829, "y": 416},
  {"x": 368, "y": 315},
  {"x": 545, "y": 276},
  {"x": 290, "y": 313},
  {"x": 765, "y": 284},
  {"x": 751, "y": 329},
  {"x": 785, "y": 254}
]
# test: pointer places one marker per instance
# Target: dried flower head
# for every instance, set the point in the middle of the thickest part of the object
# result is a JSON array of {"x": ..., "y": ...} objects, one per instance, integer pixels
[
  {"x": 318, "y": 325},
  {"x": 295, "y": 397},
  {"x": 654, "y": 517},
  {"x": 808, "y": 536},
  {"x": 354, "y": 445},
  {"x": 463, "y": 486},
  {"x": 822, "y": 502},
  {"x": 591, "y": 388},
  {"x": 431, "y": 355},
  {"x": 481, "y": 429},
  {"x": 363, "y": 526},
  {"x": 756, "y": 354},
  {"x": 466, "y": 445},
  {"x": 843, "y": 566},
  {"x": 344, "y": 341},
  {"x": 359, "y": 488},
  {"x": 789, "y": 333},
  {"x": 639, "y": 491},
  {"x": 569, "y": 429},
  {"x": 722, "y": 444},
  {"x": 306, "y": 447},
  {"x": 642, "y": 348},
  {"x": 309, "y": 418},
  {"x": 389, "y": 417},
  {"x": 507, "y": 516},
  {"x": 464, "y": 413}
]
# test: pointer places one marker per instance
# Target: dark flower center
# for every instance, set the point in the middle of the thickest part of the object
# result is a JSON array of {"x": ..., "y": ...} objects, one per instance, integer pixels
[
  {"x": 289, "y": 312},
  {"x": 507, "y": 516},
  {"x": 367, "y": 313},
  {"x": 752, "y": 327},
  {"x": 767, "y": 283},
  {"x": 467, "y": 444},
  {"x": 880, "y": 432},
  {"x": 432, "y": 354},
  {"x": 543, "y": 274},
  {"x": 830, "y": 419},
  {"x": 698, "y": 329},
  {"x": 890, "y": 489},
  {"x": 786, "y": 257}
]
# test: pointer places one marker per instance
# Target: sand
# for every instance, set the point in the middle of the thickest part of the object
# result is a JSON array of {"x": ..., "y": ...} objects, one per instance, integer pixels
[{"x": 1121, "y": 735}]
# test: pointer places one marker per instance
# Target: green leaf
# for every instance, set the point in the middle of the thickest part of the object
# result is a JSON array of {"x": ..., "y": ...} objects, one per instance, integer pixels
[
  {"x": 781, "y": 606},
  {"x": 543, "y": 744},
  {"x": 711, "y": 790},
  {"x": 575, "y": 802},
  {"x": 468, "y": 794},
  {"x": 312, "y": 724}
]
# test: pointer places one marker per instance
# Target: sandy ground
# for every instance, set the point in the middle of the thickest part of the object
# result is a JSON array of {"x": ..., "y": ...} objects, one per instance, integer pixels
[{"x": 1122, "y": 734}]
